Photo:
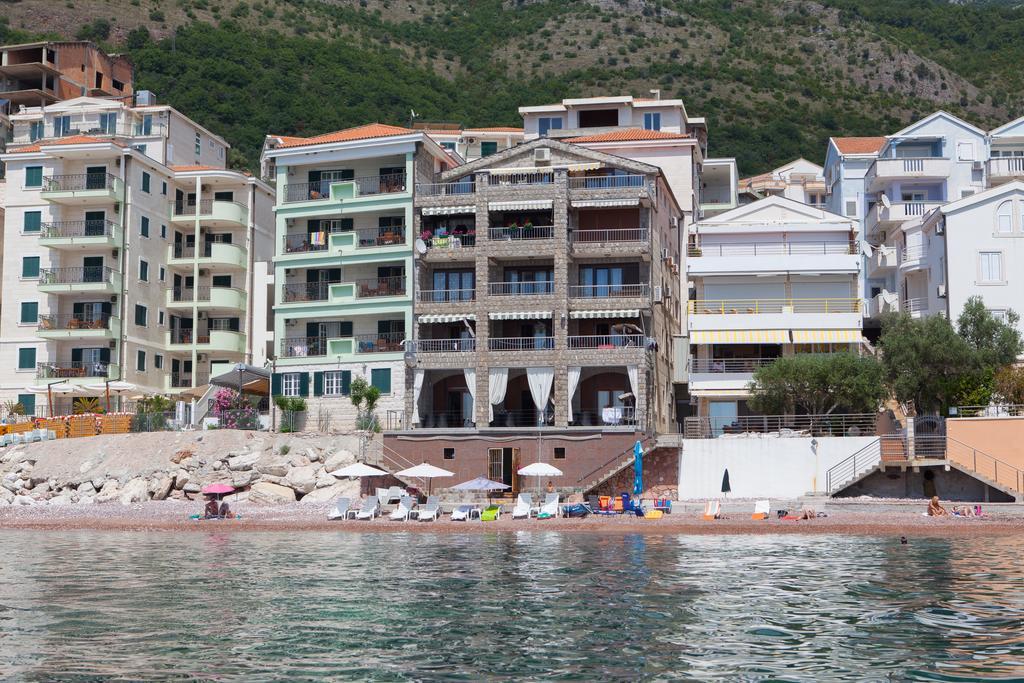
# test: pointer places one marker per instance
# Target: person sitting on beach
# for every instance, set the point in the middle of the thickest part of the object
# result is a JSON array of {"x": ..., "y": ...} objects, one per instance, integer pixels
[
  {"x": 551, "y": 487},
  {"x": 808, "y": 513},
  {"x": 934, "y": 509},
  {"x": 225, "y": 511},
  {"x": 212, "y": 510}
]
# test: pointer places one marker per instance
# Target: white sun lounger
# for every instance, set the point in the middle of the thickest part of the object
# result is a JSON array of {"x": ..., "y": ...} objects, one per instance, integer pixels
[
  {"x": 369, "y": 509},
  {"x": 394, "y": 494},
  {"x": 550, "y": 505},
  {"x": 762, "y": 509},
  {"x": 342, "y": 509},
  {"x": 464, "y": 513},
  {"x": 431, "y": 509},
  {"x": 523, "y": 507},
  {"x": 404, "y": 509}
]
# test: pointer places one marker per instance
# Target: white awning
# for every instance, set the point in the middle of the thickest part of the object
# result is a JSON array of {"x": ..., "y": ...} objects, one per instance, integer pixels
[
  {"x": 604, "y": 203},
  {"x": 447, "y": 210},
  {"x": 527, "y": 205},
  {"x": 606, "y": 313},
  {"x": 518, "y": 315},
  {"x": 739, "y": 337},
  {"x": 826, "y": 336},
  {"x": 446, "y": 317}
]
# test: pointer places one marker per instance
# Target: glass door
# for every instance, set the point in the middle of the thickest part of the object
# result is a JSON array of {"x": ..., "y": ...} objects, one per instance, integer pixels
[
  {"x": 95, "y": 177},
  {"x": 94, "y": 221}
]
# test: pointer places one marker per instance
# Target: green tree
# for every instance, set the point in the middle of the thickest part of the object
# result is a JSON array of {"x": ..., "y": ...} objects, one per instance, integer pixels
[
  {"x": 995, "y": 342},
  {"x": 819, "y": 384},
  {"x": 1009, "y": 384},
  {"x": 364, "y": 397}
]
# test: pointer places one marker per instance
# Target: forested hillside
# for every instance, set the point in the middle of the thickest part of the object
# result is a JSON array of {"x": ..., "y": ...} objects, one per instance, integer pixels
[{"x": 773, "y": 77}]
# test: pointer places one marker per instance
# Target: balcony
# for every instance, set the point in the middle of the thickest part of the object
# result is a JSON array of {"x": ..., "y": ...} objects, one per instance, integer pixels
[
  {"x": 339, "y": 241},
  {"x": 207, "y": 297},
  {"x": 881, "y": 216},
  {"x": 93, "y": 129},
  {"x": 603, "y": 239},
  {"x": 608, "y": 348},
  {"x": 832, "y": 256},
  {"x": 610, "y": 187},
  {"x": 83, "y": 189},
  {"x": 449, "y": 242},
  {"x": 882, "y": 303},
  {"x": 521, "y": 232},
  {"x": 543, "y": 288},
  {"x": 215, "y": 212},
  {"x": 65, "y": 326},
  {"x": 186, "y": 380},
  {"x": 620, "y": 291},
  {"x": 538, "y": 343},
  {"x": 724, "y": 374},
  {"x": 216, "y": 254},
  {"x": 913, "y": 257},
  {"x": 227, "y": 341},
  {"x": 312, "y": 347},
  {"x": 372, "y": 287},
  {"x": 458, "y": 188},
  {"x": 774, "y": 314},
  {"x": 446, "y": 296},
  {"x": 465, "y": 345},
  {"x": 91, "y": 234},
  {"x": 1005, "y": 169},
  {"x": 336, "y": 190},
  {"x": 302, "y": 292},
  {"x": 883, "y": 171},
  {"x": 882, "y": 261},
  {"x": 498, "y": 178},
  {"x": 75, "y": 369},
  {"x": 80, "y": 280},
  {"x": 917, "y": 307}
]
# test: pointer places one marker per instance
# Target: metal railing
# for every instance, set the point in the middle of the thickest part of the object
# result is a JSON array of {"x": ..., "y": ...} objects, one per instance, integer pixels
[
  {"x": 524, "y": 178},
  {"x": 458, "y": 187},
  {"x": 94, "y": 129},
  {"x": 446, "y": 419},
  {"x": 521, "y": 343},
  {"x": 913, "y": 252},
  {"x": 620, "y": 457},
  {"x": 301, "y": 347},
  {"x": 366, "y": 185},
  {"x": 611, "y": 416},
  {"x": 773, "y": 249},
  {"x": 602, "y": 235},
  {"x": 522, "y": 418},
  {"x": 319, "y": 240},
  {"x": 444, "y": 345},
  {"x": 529, "y": 288},
  {"x": 186, "y": 294},
  {"x": 66, "y": 321},
  {"x": 203, "y": 207},
  {"x": 521, "y": 232},
  {"x": 635, "y": 289},
  {"x": 70, "y": 369},
  {"x": 182, "y": 380},
  {"x": 723, "y": 365},
  {"x": 758, "y": 306},
  {"x": 293, "y": 292},
  {"x": 846, "y": 424},
  {"x": 992, "y": 410},
  {"x": 844, "y": 471},
  {"x": 606, "y": 341},
  {"x": 442, "y": 296},
  {"x": 90, "y": 228},
  {"x": 992, "y": 468},
  {"x": 76, "y": 275},
  {"x": 606, "y": 182},
  {"x": 189, "y": 336},
  {"x": 79, "y": 181},
  {"x": 380, "y": 286},
  {"x": 390, "y": 342},
  {"x": 915, "y": 305},
  {"x": 451, "y": 241}
]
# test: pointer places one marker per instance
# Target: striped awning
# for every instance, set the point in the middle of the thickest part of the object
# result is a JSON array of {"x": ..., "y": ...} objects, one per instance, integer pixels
[
  {"x": 604, "y": 203},
  {"x": 606, "y": 313},
  {"x": 446, "y": 317},
  {"x": 518, "y": 315},
  {"x": 525, "y": 205},
  {"x": 739, "y": 337},
  {"x": 447, "y": 210},
  {"x": 520, "y": 169},
  {"x": 720, "y": 393},
  {"x": 826, "y": 336}
]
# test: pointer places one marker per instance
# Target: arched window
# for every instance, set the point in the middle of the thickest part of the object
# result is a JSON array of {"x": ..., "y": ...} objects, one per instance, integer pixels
[{"x": 1004, "y": 218}]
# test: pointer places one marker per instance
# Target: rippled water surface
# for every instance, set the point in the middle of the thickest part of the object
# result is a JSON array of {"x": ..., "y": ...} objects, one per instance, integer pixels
[{"x": 512, "y": 606}]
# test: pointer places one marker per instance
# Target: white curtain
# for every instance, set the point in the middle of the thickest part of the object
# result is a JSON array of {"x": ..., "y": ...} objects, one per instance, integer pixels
[
  {"x": 574, "y": 381},
  {"x": 417, "y": 387},
  {"x": 497, "y": 383},
  {"x": 470, "y": 374},
  {"x": 634, "y": 380},
  {"x": 540, "y": 380}
]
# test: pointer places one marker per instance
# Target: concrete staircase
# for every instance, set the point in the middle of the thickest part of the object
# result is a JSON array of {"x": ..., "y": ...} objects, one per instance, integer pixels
[
  {"x": 852, "y": 469},
  {"x": 598, "y": 476},
  {"x": 998, "y": 474}
]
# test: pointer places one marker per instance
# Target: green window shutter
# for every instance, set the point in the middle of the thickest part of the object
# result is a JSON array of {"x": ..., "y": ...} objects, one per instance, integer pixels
[
  {"x": 29, "y": 311},
  {"x": 30, "y": 266},
  {"x": 145, "y": 182},
  {"x": 275, "y": 384},
  {"x": 304, "y": 384},
  {"x": 318, "y": 384},
  {"x": 144, "y": 228},
  {"x": 33, "y": 221},
  {"x": 346, "y": 382},
  {"x": 26, "y": 359},
  {"x": 28, "y": 402},
  {"x": 33, "y": 176},
  {"x": 488, "y": 148},
  {"x": 381, "y": 378}
]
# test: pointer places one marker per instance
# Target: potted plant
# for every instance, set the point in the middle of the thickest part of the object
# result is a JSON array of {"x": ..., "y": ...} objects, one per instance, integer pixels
[
  {"x": 293, "y": 413},
  {"x": 364, "y": 397},
  {"x": 425, "y": 235}
]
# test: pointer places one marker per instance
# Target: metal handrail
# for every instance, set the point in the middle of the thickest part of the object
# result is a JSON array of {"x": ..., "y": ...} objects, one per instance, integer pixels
[
  {"x": 393, "y": 285},
  {"x": 601, "y": 235},
  {"x": 757, "y": 306},
  {"x": 991, "y": 410},
  {"x": 443, "y": 296},
  {"x": 773, "y": 249},
  {"x": 203, "y": 207},
  {"x": 89, "y": 228},
  {"x": 524, "y": 178},
  {"x": 724, "y": 365},
  {"x": 841, "y": 424},
  {"x": 55, "y": 369},
  {"x": 521, "y": 343},
  {"x": 618, "y": 291},
  {"x": 606, "y": 341},
  {"x": 629, "y": 451},
  {"x": 522, "y": 288},
  {"x": 300, "y": 347},
  {"x": 76, "y": 275},
  {"x": 390, "y": 342},
  {"x": 79, "y": 181},
  {"x": 70, "y": 321},
  {"x": 293, "y": 292},
  {"x": 460, "y": 345},
  {"x": 532, "y": 232},
  {"x": 914, "y": 252},
  {"x": 915, "y": 305},
  {"x": 456, "y": 188},
  {"x": 366, "y": 185},
  {"x": 847, "y": 468},
  {"x": 988, "y": 463},
  {"x": 606, "y": 182}
]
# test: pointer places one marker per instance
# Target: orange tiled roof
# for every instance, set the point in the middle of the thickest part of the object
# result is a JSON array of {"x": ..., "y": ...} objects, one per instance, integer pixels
[
  {"x": 859, "y": 145},
  {"x": 70, "y": 140},
  {"x": 370, "y": 130},
  {"x": 630, "y": 135}
]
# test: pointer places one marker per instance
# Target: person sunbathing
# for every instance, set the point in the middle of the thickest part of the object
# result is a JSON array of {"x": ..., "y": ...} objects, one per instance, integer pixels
[
  {"x": 212, "y": 510},
  {"x": 225, "y": 511},
  {"x": 936, "y": 510}
]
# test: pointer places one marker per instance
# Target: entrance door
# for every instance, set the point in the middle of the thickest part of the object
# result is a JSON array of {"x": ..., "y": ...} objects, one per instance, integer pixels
[
  {"x": 92, "y": 269},
  {"x": 495, "y": 464},
  {"x": 94, "y": 223},
  {"x": 95, "y": 177},
  {"x": 722, "y": 414}
]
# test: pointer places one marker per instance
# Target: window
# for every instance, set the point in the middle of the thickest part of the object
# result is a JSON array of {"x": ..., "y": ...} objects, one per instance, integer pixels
[
  {"x": 652, "y": 121},
  {"x": 158, "y": 361},
  {"x": 851, "y": 208},
  {"x": 290, "y": 384},
  {"x": 29, "y": 267},
  {"x": 163, "y": 189},
  {"x": 559, "y": 453},
  {"x": 118, "y": 85},
  {"x": 108, "y": 123},
  {"x": 141, "y": 149},
  {"x": 199, "y": 144},
  {"x": 140, "y": 360},
  {"x": 145, "y": 182},
  {"x": 450, "y": 146},
  {"x": 61, "y": 126},
  {"x": 35, "y": 130},
  {"x": 163, "y": 232},
  {"x": 990, "y": 267},
  {"x": 33, "y": 176},
  {"x": 33, "y": 221},
  {"x": 144, "y": 270},
  {"x": 144, "y": 227},
  {"x": 546, "y": 123},
  {"x": 1004, "y": 218},
  {"x": 28, "y": 402},
  {"x": 998, "y": 313},
  {"x": 161, "y": 318},
  {"x": 337, "y": 383},
  {"x": 163, "y": 274},
  {"x": 449, "y": 454},
  {"x": 141, "y": 315},
  {"x": 381, "y": 378},
  {"x": 145, "y": 126},
  {"x": 30, "y": 311},
  {"x": 488, "y": 147},
  {"x": 27, "y": 359}
]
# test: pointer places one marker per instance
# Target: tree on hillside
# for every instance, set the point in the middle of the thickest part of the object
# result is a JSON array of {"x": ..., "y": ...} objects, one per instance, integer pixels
[{"x": 819, "y": 384}]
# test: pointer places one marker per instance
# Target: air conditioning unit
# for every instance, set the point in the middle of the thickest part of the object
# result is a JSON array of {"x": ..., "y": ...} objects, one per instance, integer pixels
[
  {"x": 203, "y": 272},
  {"x": 542, "y": 154},
  {"x": 114, "y": 253},
  {"x": 940, "y": 291},
  {"x": 978, "y": 166},
  {"x": 462, "y": 141},
  {"x": 113, "y": 344},
  {"x": 658, "y": 295},
  {"x": 202, "y": 315},
  {"x": 200, "y": 356},
  {"x": 940, "y": 228},
  {"x": 664, "y": 254}
]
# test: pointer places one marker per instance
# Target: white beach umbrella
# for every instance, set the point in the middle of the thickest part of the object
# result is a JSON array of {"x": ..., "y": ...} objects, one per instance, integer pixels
[
  {"x": 116, "y": 387},
  {"x": 60, "y": 388},
  {"x": 358, "y": 469},
  {"x": 539, "y": 469},
  {"x": 425, "y": 471}
]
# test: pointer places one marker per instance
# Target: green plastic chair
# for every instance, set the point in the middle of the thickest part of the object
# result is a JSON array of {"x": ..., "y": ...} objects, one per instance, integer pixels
[{"x": 490, "y": 513}]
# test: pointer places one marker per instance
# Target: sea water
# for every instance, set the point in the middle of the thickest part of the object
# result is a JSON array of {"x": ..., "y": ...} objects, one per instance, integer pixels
[{"x": 524, "y": 605}]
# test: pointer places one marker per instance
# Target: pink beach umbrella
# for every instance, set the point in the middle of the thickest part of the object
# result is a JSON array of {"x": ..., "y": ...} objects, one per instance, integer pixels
[{"x": 218, "y": 488}]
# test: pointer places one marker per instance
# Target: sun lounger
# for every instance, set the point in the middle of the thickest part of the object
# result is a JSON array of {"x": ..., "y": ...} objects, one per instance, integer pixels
[
  {"x": 369, "y": 509},
  {"x": 404, "y": 509},
  {"x": 761, "y": 509},
  {"x": 594, "y": 503},
  {"x": 394, "y": 494},
  {"x": 550, "y": 506},
  {"x": 524, "y": 506},
  {"x": 341, "y": 509},
  {"x": 464, "y": 513},
  {"x": 431, "y": 510},
  {"x": 712, "y": 510},
  {"x": 490, "y": 513}
]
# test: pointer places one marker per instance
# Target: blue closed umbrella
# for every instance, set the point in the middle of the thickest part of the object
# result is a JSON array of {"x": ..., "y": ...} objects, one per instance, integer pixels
[{"x": 638, "y": 469}]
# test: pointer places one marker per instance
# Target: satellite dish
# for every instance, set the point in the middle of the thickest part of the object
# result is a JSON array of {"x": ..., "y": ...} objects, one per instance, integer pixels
[
  {"x": 420, "y": 246},
  {"x": 885, "y": 201},
  {"x": 410, "y": 359}
]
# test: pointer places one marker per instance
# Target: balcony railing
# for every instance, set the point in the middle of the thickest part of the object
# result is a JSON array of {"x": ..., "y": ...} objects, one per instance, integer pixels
[
  {"x": 90, "y": 228},
  {"x": 188, "y": 336},
  {"x": 521, "y": 288},
  {"x": 521, "y": 343},
  {"x": 459, "y": 187},
  {"x": 991, "y": 410},
  {"x": 366, "y": 185},
  {"x": 524, "y": 178},
  {"x": 380, "y": 286},
  {"x": 532, "y": 232},
  {"x": 94, "y": 130},
  {"x": 526, "y": 417},
  {"x": 390, "y": 342},
  {"x": 203, "y": 207},
  {"x": 609, "y": 291},
  {"x": 915, "y": 305},
  {"x": 442, "y": 296},
  {"x": 294, "y": 292},
  {"x": 729, "y": 365},
  {"x": 186, "y": 294},
  {"x": 66, "y": 321},
  {"x": 301, "y": 347},
  {"x": 606, "y": 182},
  {"x": 1006, "y": 166},
  {"x": 181, "y": 380},
  {"x": 444, "y": 345},
  {"x": 602, "y": 235},
  {"x": 606, "y": 341},
  {"x": 913, "y": 252},
  {"x": 773, "y": 249},
  {"x": 305, "y": 242},
  {"x": 758, "y": 306},
  {"x": 69, "y": 369},
  {"x": 846, "y": 424},
  {"x": 76, "y": 275},
  {"x": 610, "y": 416},
  {"x": 79, "y": 181},
  {"x": 453, "y": 241}
]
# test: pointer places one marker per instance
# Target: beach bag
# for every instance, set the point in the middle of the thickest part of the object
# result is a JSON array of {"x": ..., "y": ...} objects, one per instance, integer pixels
[{"x": 576, "y": 510}]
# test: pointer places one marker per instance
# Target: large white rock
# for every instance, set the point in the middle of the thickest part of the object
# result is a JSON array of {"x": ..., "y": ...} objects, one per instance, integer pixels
[
  {"x": 86, "y": 489},
  {"x": 331, "y": 493},
  {"x": 243, "y": 461},
  {"x": 181, "y": 478},
  {"x": 339, "y": 459},
  {"x": 241, "y": 479},
  {"x": 23, "y": 500},
  {"x": 312, "y": 454},
  {"x": 110, "y": 491},
  {"x": 302, "y": 479},
  {"x": 162, "y": 488},
  {"x": 62, "y": 499},
  {"x": 135, "y": 491},
  {"x": 265, "y": 493},
  {"x": 274, "y": 465},
  {"x": 323, "y": 480},
  {"x": 6, "y": 495}
]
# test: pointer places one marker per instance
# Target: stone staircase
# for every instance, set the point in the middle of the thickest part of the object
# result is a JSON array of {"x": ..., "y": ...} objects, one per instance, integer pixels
[{"x": 601, "y": 474}]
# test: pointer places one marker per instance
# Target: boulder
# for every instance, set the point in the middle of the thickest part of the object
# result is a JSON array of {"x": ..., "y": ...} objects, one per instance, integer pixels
[
  {"x": 192, "y": 487},
  {"x": 339, "y": 459},
  {"x": 242, "y": 479},
  {"x": 218, "y": 464},
  {"x": 243, "y": 461},
  {"x": 23, "y": 500},
  {"x": 10, "y": 482},
  {"x": 108, "y": 492},
  {"x": 331, "y": 493},
  {"x": 134, "y": 491},
  {"x": 86, "y": 488},
  {"x": 299, "y": 460},
  {"x": 313, "y": 455},
  {"x": 302, "y": 479},
  {"x": 6, "y": 495},
  {"x": 62, "y": 499},
  {"x": 98, "y": 482},
  {"x": 265, "y": 493},
  {"x": 323, "y": 479},
  {"x": 162, "y": 488},
  {"x": 180, "y": 479},
  {"x": 274, "y": 465},
  {"x": 86, "y": 500}
]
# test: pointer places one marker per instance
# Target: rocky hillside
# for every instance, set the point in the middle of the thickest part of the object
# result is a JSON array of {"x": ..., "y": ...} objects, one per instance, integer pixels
[{"x": 774, "y": 77}]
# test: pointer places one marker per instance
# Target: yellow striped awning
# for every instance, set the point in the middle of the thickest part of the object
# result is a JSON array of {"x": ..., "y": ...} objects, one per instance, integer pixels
[
  {"x": 826, "y": 336},
  {"x": 739, "y": 337}
]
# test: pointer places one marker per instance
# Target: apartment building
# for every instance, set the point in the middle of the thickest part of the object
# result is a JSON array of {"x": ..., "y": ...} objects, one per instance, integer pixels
[
  {"x": 470, "y": 144},
  {"x": 41, "y": 73},
  {"x": 119, "y": 265},
  {"x": 343, "y": 299},
  {"x": 772, "y": 278},
  {"x": 546, "y": 302},
  {"x": 800, "y": 180}
]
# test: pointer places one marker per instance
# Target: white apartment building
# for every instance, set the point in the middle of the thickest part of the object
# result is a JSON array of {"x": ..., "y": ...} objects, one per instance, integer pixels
[
  {"x": 128, "y": 251},
  {"x": 800, "y": 180},
  {"x": 773, "y": 278},
  {"x": 470, "y": 144}
]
